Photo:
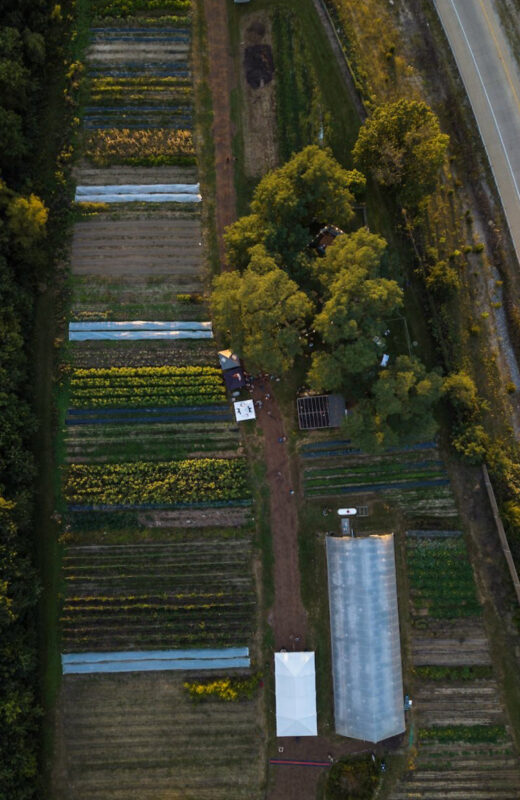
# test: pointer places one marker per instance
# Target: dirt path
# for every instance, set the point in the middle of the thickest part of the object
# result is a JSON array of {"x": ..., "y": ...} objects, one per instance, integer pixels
[
  {"x": 221, "y": 82},
  {"x": 288, "y": 617}
]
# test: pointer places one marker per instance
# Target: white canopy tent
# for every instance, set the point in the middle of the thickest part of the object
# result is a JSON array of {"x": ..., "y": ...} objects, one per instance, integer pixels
[
  {"x": 244, "y": 409},
  {"x": 295, "y": 694}
]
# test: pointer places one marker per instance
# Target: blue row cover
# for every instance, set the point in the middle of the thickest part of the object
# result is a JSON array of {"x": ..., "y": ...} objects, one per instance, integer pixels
[
  {"x": 103, "y": 325},
  {"x": 136, "y": 188},
  {"x": 82, "y": 336},
  {"x": 157, "y": 666},
  {"x": 156, "y": 660},
  {"x": 138, "y": 655}
]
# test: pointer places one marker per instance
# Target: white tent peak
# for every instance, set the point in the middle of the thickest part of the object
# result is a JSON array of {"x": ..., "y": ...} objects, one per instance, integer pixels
[
  {"x": 295, "y": 694},
  {"x": 244, "y": 409}
]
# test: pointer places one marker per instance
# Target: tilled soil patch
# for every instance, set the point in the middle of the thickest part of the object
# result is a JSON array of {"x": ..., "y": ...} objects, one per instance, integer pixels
[
  {"x": 162, "y": 245},
  {"x": 258, "y": 87},
  {"x": 118, "y": 175},
  {"x": 92, "y": 354}
]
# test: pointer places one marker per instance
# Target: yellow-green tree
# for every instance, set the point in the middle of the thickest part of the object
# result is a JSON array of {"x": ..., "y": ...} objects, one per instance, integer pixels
[
  {"x": 401, "y": 145},
  {"x": 398, "y": 408},
  {"x": 27, "y": 218},
  {"x": 261, "y": 313}
]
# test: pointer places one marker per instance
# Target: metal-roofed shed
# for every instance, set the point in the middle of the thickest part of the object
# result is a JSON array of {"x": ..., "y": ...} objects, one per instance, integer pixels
[
  {"x": 366, "y": 649},
  {"x": 320, "y": 411}
]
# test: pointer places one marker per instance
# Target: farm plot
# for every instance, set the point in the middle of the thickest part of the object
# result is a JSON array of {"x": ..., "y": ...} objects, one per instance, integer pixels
[
  {"x": 133, "y": 441},
  {"x": 441, "y": 579},
  {"x": 137, "y": 247},
  {"x": 128, "y": 298},
  {"x": 104, "y": 354},
  {"x": 114, "y": 45},
  {"x": 140, "y": 737},
  {"x": 459, "y": 715},
  {"x": 480, "y": 771},
  {"x": 136, "y": 147},
  {"x": 127, "y": 9},
  {"x": 413, "y": 478},
  {"x": 144, "y": 483},
  {"x": 194, "y": 592},
  {"x": 140, "y": 387}
]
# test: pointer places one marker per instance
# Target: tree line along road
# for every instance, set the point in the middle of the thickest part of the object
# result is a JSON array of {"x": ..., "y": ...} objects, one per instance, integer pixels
[{"x": 492, "y": 81}]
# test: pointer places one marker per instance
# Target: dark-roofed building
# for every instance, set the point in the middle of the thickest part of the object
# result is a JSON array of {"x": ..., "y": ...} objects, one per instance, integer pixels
[
  {"x": 232, "y": 371},
  {"x": 234, "y": 378},
  {"x": 320, "y": 411},
  {"x": 325, "y": 237}
]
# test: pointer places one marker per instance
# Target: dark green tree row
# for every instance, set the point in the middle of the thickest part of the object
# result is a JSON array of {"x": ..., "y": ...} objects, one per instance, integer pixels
[{"x": 30, "y": 56}]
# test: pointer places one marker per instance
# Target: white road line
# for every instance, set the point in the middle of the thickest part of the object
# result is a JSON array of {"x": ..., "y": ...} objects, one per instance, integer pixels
[{"x": 489, "y": 103}]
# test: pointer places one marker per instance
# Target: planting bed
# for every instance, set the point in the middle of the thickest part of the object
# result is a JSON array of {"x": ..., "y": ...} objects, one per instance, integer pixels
[
  {"x": 92, "y": 354},
  {"x": 133, "y": 441},
  {"x": 144, "y": 483},
  {"x": 136, "y": 246},
  {"x": 193, "y": 592},
  {"x": 140, "y": 737},
  {"x": 139, "y": 387},
  {"x": 462, "y": 742},
  {"x": 158, "y": 538},
  {"x": 413, "y": 478}
]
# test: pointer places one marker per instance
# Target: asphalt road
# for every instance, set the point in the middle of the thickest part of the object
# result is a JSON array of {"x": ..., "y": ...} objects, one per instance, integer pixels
[{"x": 492, "y": 81}]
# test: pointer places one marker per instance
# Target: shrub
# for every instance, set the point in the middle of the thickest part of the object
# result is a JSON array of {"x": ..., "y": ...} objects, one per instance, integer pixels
[
  {"x": 226, "y": 689},
  {"x": 354, "y": 778}
]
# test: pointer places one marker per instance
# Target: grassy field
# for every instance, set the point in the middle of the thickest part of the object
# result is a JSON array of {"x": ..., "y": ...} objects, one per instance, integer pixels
[
  {"x": 301, "y": 46},
  {"x": 140, "y": 737}
]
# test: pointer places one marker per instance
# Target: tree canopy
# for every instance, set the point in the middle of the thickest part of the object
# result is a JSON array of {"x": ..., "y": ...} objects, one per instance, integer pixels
[
  {"x": 351, "y": 323},
  {"x": 310, "y": 190},
  {"x": 401, "y": 145},
  {"x": 261, "y": 313},
  {"x": 281, "y": 301},
  {"x": 398, "y": 408}
]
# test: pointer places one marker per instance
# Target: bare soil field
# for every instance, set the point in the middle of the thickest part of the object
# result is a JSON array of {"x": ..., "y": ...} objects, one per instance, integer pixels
[
  {"x": 139, "y": 50},
  {"x": 100, "y": 354},
  {"x": 461, "y": 642},
  {"x": 120, "y": 175},
  {"x": 257, "y": 79},
  {"x": 193, "y": 592},
  {"x": 138, "y": 246},
  {"x": 195, "y": 518},
  {"x": 459, "y": 704},
  {"x": 139, "y": 737}
]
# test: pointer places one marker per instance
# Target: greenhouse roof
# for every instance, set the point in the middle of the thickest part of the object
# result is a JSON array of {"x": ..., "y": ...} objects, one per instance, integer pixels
[
  {"x": 366, "y": 650},
  {"x": 295, "y": 694}
]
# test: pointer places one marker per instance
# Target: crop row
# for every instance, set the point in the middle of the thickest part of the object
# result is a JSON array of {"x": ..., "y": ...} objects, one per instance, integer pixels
[
  {"x": 441, "y": 578},
  {"x": 110, "y": 91},
  {"x": 464, "y": 733},
  {"x": 126, "y": 8},
  {"x": 144, "y": 482},
  {"x": 139, "y": 147},
  {"x": 140, "y": 388}
]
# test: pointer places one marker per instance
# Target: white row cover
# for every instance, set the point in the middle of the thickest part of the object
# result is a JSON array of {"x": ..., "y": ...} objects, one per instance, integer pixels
[
  {"x": 144, "y": 193},
  {"x": 138, "y": 188},
  {"x": 366, "y": 649},
  {"x": 139, "y": 325},
  {"x": 295, "y": 694},
  {"x": 155, "y": 660},
  {"x": 81, "y": 336}
]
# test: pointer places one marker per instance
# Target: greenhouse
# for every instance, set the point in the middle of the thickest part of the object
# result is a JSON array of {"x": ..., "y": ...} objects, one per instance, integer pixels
[{"x": 366, "y": 650}]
